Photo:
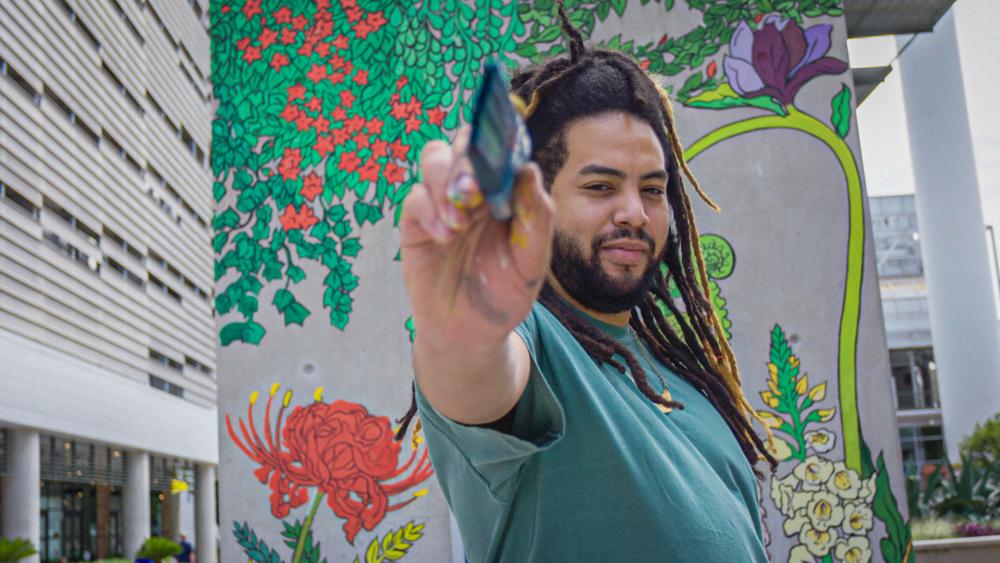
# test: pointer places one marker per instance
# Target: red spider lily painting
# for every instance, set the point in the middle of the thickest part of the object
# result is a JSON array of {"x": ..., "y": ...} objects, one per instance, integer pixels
[{"x": 337, "y": 451}]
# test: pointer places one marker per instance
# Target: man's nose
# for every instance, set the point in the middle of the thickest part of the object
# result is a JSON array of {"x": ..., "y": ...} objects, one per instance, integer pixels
[{"x": 631, "y": 211}]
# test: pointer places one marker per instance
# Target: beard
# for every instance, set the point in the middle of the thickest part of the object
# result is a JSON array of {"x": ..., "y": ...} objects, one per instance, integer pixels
[{"x": 587, "y": 282}]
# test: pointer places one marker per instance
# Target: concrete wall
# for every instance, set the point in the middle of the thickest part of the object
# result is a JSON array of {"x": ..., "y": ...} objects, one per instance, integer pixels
[{"x": 789, "y": 257}]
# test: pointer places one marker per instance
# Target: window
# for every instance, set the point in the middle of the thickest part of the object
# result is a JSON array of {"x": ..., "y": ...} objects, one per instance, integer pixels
[
  {"x": 921, "y": 446},
  {"x": 128, "y": 22},
  {"x": 188, "y": 141},
  {"x": 124, "y": 272},
  {"x": 71, "y": 115},
  {"x": 156, "y": 106},
  {"x": 71, "y": 220},
  {"x": 135, "y": 166},
  {"x": 89, "y": 233},
  {"x": 197, "y": 89},
  {"x": 157, "y": 259},
  {"x": 80, "y": 25},
  {"x": 59, "y": 103},
  {"x": 159, "y": 109},
  {"x": 115, "y": 145},
  {"x": 164, "y": 360},
  {"x": 196, "y": 365},
  {"x": 119, "y": 85},
  {"x": 915, "y": 378},
  {"x": 19, "y": 201},
  {"x": 164, "y": 385},
  {"x": 163, "y": 28},
  {"x": 164, "y": 288},
  {"x": 90, "y": 133},
  {"x": 70, "y": 251},
  {"x": 21, "y": 82},
  {"x": 123, "y": 245}
]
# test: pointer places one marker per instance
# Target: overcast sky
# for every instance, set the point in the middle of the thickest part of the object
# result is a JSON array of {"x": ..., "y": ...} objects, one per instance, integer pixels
[
  {"x": 885, "y": 146},
  {"x": 882, "y": 117}
]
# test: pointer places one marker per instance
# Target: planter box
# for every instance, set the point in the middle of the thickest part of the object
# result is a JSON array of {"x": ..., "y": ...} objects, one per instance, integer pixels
[{"x": 982, "y": 549}]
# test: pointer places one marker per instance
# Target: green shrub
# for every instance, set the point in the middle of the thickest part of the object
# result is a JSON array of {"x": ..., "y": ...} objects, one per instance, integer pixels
[
  {"x": 984, "y": 440},
  {"x": 158, "y": 549},
  {"x": 15, "y": 549}
]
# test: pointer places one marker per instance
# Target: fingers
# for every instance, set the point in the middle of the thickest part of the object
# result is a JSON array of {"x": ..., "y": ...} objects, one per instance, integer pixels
[
  {"x": 531, "y": 227},
  {"x": 420, "y": 222},
  {"x": 448, "y": 177}
]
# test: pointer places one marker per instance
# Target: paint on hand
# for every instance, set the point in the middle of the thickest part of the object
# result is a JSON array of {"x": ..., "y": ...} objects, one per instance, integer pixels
[{"x": 463, "y": 192}]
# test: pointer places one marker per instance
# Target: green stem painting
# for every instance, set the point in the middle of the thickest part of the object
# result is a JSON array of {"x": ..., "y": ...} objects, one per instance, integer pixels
[{"x": 851, "y": 307}]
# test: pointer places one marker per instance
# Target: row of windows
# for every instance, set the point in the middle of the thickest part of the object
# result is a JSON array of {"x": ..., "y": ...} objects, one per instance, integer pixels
[
  {"x": 180, "y": 132},
  {"x": 115, "y": 146},
  {"x": 110, "y": 238},
  {"x": 166, "y": 361}
]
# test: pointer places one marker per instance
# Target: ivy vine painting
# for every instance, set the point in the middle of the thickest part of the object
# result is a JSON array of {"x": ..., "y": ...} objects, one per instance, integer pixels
[{"x": 323, "y": 107}]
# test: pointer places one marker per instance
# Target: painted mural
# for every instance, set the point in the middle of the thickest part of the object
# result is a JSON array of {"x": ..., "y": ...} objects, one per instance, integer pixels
[
  {"x": 340, "y": 454},
  {"x": 323, "y": 107}
]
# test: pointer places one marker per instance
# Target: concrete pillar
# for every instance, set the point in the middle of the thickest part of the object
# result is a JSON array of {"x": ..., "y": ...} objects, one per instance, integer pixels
[
  {"x": 964, "y": 327},
  {"x": 135, "y": 500},
  {"x": 172, "y": 516},
  {"x": 103, "y": 511},
  {"x": 22, "y": 491},
  {"x": 204, "y": 513}
]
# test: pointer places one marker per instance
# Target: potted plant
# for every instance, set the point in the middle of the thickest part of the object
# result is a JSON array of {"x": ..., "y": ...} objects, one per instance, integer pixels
[
  {"x": 155, "y": 550},
  {"x": 15, "y": 550}
]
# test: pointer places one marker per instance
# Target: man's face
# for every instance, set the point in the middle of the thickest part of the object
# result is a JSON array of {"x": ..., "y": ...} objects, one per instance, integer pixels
[{"x": 611, "y": 212}]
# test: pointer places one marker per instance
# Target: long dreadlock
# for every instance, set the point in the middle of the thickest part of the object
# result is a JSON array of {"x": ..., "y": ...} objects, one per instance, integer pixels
[{"x": 590, "y": 82}]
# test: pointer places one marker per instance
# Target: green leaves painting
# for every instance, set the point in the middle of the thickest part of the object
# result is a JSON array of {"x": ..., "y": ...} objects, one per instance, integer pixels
[{"x": 323, "y": 107}]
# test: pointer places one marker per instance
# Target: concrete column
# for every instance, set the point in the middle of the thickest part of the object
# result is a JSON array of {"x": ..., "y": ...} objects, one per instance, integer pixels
[
  {"x": 172, "y": 516},
  {"x": 964, "y": 327},
  {"x": 204, "y": 513},
  {"x": 22, "y": 491},
  {"x": 135, "y": 500},
  {"x": 103, "y": 518}
]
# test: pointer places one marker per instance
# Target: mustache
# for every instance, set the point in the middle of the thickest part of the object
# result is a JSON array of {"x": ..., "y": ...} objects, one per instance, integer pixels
[{"x": 621, "y": 234}]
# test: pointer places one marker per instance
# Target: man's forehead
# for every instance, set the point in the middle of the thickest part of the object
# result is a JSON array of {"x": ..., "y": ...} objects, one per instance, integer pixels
[{"x": 612, "y": 136}]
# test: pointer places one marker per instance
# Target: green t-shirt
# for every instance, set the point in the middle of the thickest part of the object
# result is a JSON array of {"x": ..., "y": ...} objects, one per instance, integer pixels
[{"x": 592, "y": 471}]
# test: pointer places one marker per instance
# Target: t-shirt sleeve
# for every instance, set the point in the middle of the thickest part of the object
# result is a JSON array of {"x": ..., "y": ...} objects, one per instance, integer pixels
[{"x": 490, "y": 456}]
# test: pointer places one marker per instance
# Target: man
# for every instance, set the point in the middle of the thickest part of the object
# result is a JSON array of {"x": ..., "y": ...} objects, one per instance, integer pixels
[
  {"x": 187, "y": 551},
  {"x": 569, "y": 417}
]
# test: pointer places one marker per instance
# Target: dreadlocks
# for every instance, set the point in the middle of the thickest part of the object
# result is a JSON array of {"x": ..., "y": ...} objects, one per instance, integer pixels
[{"x": 591, "y": 82}]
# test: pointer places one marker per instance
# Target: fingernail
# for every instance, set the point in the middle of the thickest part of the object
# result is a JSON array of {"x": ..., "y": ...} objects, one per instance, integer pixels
[
  {"x": 463, "y": 192},
  {"x": 453, "y": 218},
  {"x": 439, "y": 232}
]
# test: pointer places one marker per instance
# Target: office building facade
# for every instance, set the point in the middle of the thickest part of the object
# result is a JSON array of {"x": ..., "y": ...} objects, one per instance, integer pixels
[{"x": 107, "y": 346}]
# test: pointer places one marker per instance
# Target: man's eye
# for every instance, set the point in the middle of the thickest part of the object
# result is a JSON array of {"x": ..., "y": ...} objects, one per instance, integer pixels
[
  {"x": 598, "y": 187},
  {"x": 654, "y": 191}
]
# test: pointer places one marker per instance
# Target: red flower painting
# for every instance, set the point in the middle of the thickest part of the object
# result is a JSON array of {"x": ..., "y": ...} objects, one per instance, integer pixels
[{"x": 337, "y": 451}]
